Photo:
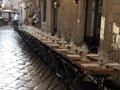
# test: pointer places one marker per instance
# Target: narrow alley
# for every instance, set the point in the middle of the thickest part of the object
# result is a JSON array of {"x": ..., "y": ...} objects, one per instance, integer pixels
[{"x": 59, "y": 45}]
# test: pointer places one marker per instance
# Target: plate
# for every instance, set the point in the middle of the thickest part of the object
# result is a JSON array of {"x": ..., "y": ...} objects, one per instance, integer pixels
[
  {"x": 112, "y": 64},
  {"x": 117, "y": 68}
]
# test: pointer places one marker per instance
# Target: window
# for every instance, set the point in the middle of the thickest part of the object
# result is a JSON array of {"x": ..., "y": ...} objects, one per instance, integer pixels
[{"x": 44, "y": 11}]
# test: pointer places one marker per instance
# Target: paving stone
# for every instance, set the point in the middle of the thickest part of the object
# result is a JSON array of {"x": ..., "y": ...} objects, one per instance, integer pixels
[
  {"x": 24, "y": 71},
  {"x": 20, "y": 67},
  {"x": 36, "y": 79},
  {"x": 18, "y": 74},
  {"x": 25, "y": 88},
  {"x": 33, "y": 73},
  {"x": 8, "y": 88},
  {"x": 26, "y": 78},
  {"x": 17, "y": 84},
  {"x": 8, "y": 80},
  {"x": 31, "y": 84}
]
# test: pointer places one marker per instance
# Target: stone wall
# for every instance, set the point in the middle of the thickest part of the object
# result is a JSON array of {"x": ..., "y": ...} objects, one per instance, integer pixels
[
  {"x": 111, "y": 19},
  {"x": 71, "y": 19},
  {"x": 47, "y": 24}
]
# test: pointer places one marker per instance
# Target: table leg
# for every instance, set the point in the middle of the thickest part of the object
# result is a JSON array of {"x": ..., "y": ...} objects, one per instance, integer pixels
[{"x": 100, "y": 81}]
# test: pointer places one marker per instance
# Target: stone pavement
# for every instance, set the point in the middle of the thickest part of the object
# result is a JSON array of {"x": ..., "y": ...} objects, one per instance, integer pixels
[{"x": 16, "y": 70}]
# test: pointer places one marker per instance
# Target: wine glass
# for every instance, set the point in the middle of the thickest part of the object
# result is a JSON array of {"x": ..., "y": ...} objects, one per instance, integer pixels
[
  {"x": 49, "y": 36},
  {"x": 85, "y": 51},
  {"x": 62, "y": 40},
  {"x": 100, "y": 57},
  {"x": 55, "y": 38},
  {"x": 79, "y": 50},
  {"x": 73, "y": 46}
]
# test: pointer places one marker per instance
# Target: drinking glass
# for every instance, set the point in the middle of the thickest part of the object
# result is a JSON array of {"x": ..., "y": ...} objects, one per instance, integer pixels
[
  {"x": 85, "y": 51},
  {"x": 100, "y": 57},
  {"x": 105, "y": 58},
  {"x": 73, "y": 47}
]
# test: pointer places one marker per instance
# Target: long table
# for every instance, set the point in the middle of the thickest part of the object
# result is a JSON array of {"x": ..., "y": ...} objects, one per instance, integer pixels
[{"x": 90, "y": 66}]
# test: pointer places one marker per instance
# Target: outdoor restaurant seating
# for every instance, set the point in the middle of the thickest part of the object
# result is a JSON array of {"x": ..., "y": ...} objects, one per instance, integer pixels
[{"x": 70, "y": 63}]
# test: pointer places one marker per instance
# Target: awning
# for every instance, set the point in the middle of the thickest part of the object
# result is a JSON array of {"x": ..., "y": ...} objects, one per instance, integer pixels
[{"x": 7, "y": 11}]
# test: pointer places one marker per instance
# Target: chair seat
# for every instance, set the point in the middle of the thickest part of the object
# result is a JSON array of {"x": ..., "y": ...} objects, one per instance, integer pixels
[
  {"x": 113, "y": 84},
  {"x": 85, "y": 85}
]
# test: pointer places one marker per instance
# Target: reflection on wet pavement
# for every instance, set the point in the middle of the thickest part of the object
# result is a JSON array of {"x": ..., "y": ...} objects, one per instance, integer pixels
[{"x": 16, "y": 71}]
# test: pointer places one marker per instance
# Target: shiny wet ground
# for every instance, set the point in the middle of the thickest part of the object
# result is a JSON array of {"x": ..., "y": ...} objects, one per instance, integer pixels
[{"x": 16, "y": 70}]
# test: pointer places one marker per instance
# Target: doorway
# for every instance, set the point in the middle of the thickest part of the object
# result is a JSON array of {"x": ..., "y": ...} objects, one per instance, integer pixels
[{"x": 92, "y": 22}]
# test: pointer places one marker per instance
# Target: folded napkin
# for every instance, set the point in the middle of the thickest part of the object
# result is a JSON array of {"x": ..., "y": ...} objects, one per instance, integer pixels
[
  {"x": 92, "y": 55},
  {"x": 74, "y": 55},
  {"x": 52, "y": 44},
  {"x": 112, "y": 64},
  {"x": 117, "y": 68},
  {"x": 47, "y": 41},
  {"x": 90, "y": 65},
  {"x": 61, "y": 49}
]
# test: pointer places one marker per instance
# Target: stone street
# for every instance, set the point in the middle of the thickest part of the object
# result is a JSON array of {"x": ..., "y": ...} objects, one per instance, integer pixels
[{"x": 17, "y": 70}]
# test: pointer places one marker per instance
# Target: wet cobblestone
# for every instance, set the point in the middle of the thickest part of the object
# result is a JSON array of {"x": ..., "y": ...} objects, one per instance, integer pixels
[{"x": 16, "y": 70}]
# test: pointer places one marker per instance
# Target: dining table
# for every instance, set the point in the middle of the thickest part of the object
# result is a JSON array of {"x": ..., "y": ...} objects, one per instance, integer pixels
[{"x": 97, "y": 69}]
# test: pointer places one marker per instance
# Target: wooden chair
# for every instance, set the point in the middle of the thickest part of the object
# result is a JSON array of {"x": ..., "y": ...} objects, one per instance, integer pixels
[{"x": 114, "y": 82}]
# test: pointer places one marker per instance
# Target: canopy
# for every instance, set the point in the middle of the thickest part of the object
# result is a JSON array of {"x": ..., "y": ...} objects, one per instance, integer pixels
[{"x": 7, "y": 11}]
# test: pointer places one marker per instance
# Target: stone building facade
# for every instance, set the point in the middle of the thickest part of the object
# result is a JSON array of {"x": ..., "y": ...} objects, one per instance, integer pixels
[
  {"x": 14, "y": 3},
  {"x": 30, "y": 6},
  {"x": 67, "y": 18},
  {"x": 22, "y": 11},
  {"x": 110, "y": 26},
  {"x": 96, "y": 22}
]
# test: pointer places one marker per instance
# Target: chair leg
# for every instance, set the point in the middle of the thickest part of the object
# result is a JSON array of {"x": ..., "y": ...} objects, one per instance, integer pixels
[
  {"x": 50, "y": 82},
  {"x": 38, "y": 66},
  {"x": 44, "y": 72},
  {"x": 47, "y": 77},
  {"x": 42, "y": 69},
  {"x": 56, "y": 85},
  {"x": 35, "y": 62}
]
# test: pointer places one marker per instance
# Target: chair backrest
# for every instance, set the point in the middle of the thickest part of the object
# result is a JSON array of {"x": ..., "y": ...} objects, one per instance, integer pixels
[
  {"x": 113, "y": 55},
  {"x": 56, "y": 63},
  {"x": 63, "y": 68},
  {"x": 94, "y": 49},
  {"x": 118, "y": 42},
  {"x": 80, "y": 43}
]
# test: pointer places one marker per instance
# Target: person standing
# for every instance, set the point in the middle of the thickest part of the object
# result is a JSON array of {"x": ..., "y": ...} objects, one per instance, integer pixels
[
  {"x": 15, "y": 20},
  {"x": 34, "y": 19},
  {"x": 30, "y": 20}
]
